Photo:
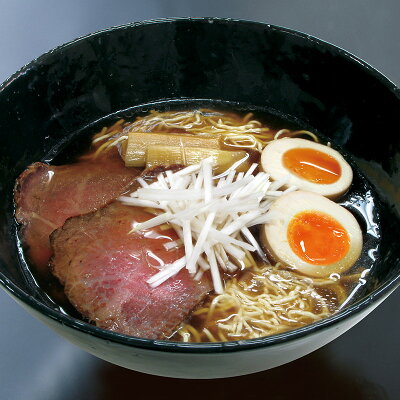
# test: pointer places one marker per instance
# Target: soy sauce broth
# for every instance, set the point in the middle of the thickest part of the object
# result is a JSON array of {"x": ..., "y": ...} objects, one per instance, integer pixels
[{"x": 361, "y": 200}]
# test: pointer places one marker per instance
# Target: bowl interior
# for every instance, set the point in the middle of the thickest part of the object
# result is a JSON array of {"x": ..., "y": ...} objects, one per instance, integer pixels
[{"x": 246, "y": 64}]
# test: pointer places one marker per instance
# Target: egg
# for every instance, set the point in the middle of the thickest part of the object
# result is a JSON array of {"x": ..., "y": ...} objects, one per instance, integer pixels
[
  {"x": 312, "y": 234},
  {"x": 308, "y": 165}
]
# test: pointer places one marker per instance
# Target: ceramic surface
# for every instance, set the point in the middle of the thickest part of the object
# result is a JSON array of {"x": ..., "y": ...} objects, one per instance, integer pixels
[
  {"x": 209, "y": 365},
  {"x": 244, "y": 63}
]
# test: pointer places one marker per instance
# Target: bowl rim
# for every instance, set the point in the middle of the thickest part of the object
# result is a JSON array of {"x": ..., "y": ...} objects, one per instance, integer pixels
[{"x": 210, "y": 347}]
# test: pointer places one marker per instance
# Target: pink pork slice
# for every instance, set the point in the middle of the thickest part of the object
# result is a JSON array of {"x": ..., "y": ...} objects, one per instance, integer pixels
[
  {"x": 46, "y": 196},
  {"x": 104, "y": 270}
]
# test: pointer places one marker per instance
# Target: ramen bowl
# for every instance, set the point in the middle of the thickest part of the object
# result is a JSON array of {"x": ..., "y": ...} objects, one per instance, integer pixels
[{"x": 240, "y": 63}]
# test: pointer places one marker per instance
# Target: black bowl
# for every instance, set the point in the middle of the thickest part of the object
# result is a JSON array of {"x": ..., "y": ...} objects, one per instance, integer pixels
[{"x": 242, "y": 64}]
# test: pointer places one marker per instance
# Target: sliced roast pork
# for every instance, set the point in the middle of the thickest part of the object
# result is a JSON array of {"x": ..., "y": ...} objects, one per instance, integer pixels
[
  {"x": 104, "y": 270},
  {"x": 46, "y": 196}
]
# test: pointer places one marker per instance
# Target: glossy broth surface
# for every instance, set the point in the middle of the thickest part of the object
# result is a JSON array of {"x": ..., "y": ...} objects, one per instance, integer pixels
[{"x": 360, "y": 197}]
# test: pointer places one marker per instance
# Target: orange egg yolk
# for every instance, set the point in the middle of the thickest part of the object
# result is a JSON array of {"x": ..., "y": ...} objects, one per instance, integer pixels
[
  {"x": 317, "y": 238},
  {"x": 312, "y": 165}
]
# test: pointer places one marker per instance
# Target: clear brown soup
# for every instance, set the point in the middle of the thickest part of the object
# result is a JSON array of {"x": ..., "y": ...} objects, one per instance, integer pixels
[{"x": 274, "y": 298}]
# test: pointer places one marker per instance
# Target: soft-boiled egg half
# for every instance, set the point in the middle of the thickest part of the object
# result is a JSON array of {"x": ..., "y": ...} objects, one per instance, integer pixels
[
  {"x": 312, "y": 234},
  {"x": 308, "y": 165}
]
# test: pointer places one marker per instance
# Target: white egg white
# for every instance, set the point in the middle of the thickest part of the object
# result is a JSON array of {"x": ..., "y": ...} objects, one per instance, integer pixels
[
  {"x": 274, "y": 234},
  {"x": 271, "y": 162}
]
